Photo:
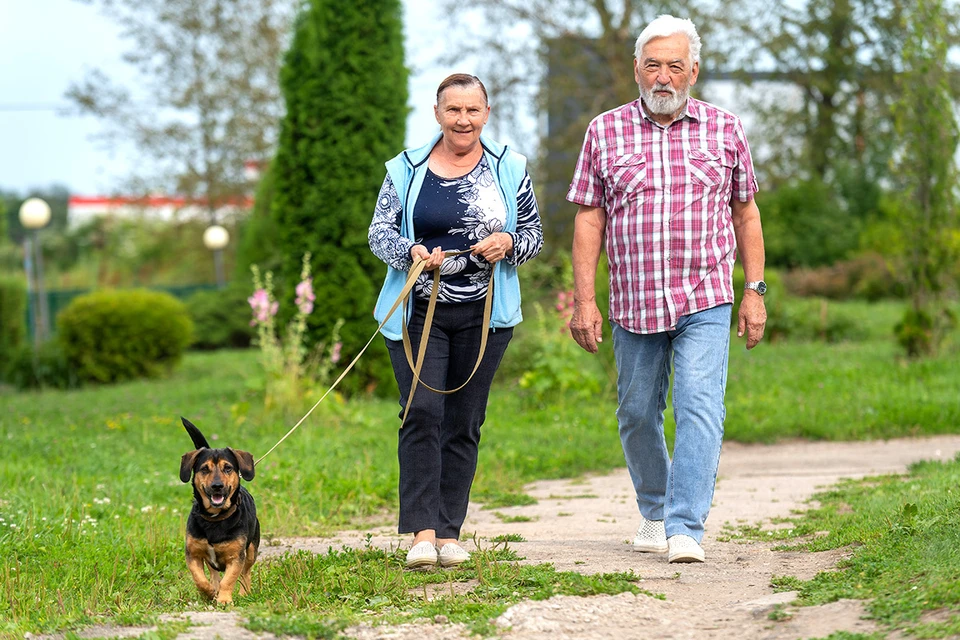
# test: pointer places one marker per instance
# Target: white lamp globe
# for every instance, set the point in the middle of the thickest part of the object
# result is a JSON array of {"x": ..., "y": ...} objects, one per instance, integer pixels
[
  {"x": 215, "y": 237},
  {"x": 34, "y": 213}
]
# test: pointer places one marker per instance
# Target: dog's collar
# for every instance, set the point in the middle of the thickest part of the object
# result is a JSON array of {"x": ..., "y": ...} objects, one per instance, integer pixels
[{"x": 222, "y": 516}]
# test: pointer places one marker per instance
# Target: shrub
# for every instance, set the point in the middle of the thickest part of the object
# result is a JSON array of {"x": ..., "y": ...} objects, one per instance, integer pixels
[
  {"x": 13, "y": 314},
  {"x": 221, "y": 319},
  {"x": 108, "y": 336},
  {"x": 44, "y": 366},
  {"x": 868, "y": 277}
]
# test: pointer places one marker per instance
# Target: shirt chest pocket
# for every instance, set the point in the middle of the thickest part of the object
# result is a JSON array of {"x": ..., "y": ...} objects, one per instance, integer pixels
[
  {"x": 628, "y": 173},
  {"x": 709, "y": 167}
]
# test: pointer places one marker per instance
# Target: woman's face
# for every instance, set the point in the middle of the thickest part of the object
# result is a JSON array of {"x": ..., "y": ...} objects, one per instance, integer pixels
[{"x": 462, "y": 112}]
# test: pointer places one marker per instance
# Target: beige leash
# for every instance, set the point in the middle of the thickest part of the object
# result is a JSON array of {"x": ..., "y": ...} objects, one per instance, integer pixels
[{"x": 403, "y": 298}]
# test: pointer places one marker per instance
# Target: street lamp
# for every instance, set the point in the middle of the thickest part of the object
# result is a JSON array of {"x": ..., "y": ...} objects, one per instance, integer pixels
[
  {"x": 216, "y": 238},
  {"x": 34, "y": 215}
]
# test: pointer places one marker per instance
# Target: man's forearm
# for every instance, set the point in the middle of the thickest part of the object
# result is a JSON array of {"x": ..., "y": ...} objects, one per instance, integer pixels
[
  {"x": 588, "y": 231},
  {"x": 749, "y": 233}
]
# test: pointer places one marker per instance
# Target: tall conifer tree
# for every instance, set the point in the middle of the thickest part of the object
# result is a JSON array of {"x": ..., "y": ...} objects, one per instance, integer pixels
[{"x": 345, "y": 86}]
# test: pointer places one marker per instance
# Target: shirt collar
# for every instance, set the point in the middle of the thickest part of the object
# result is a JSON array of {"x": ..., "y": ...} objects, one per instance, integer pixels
[{"x": 690, "y": 111}]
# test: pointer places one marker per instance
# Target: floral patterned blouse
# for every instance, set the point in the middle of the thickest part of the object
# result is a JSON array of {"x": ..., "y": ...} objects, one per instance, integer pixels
[{"x": 455, "y": 213}]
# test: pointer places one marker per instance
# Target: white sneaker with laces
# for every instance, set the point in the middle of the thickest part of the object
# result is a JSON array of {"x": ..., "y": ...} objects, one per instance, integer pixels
[
  {"x": 422, "y": 556},
  {"x": 651, "y": 537},
  {"x": 452, "y": 555},
  {"x": 684, "y": 549}
]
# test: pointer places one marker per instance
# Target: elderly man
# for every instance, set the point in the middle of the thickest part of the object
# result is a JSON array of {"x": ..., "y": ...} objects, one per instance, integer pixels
[{"x": 668, "y": 182}]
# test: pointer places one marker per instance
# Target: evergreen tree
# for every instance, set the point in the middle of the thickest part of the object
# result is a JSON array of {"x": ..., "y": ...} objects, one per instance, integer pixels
[{"x": 345, "y": 86}]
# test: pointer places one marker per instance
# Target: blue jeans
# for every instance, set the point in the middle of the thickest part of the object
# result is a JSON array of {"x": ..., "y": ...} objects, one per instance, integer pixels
[{"x": 677, "y": 492}]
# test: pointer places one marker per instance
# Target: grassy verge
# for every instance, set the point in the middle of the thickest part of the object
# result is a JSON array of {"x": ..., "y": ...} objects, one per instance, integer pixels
[{"x": 904, "y": 540}]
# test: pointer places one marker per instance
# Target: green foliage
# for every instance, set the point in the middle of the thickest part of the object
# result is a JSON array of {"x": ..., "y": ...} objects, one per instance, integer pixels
[
  {"x": 13, "y": 316},
  {"x": 221, "y": 318},
  {"x": 902, "y": 542},
  {"x": 805, "y": 224},
  {"x": 554, "y": 365},
  {"x": 921, "y": 330},
  {"x": 259, "y": 242},
  {"x": 109, "y": 336},
  {"x": 928, "y": 132},
  {"x": 31, "y": 367},
  {"x": 345, "y": 87}
]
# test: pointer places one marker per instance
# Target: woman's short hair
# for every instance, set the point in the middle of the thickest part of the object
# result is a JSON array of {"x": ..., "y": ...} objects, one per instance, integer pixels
[
  {"x": 463, "y": 81},
  {"x": 665, "y": 26}
]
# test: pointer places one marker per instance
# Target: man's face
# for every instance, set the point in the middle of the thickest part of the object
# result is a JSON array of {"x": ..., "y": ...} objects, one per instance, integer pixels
[{"x": 665, "y": 73}]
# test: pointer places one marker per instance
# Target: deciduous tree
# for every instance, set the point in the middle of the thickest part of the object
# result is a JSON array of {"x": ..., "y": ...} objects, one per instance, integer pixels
[{"x": 207, "y": 96}]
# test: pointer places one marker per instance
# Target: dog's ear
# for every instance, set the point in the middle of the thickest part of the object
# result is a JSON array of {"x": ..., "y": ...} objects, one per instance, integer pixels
[
  {"x": 245, "y": 461},
  {"x": 186, "y": 465}
]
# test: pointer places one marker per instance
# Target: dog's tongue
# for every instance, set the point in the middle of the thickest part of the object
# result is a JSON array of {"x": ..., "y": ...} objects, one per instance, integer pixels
[{"x": 217, "y": 500}]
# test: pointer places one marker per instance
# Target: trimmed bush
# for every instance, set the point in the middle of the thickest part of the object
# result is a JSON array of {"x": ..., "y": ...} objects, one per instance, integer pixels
[
  {"x": 109, "y": 336},
  {"x": 13, "y": 318},
  {"x": 221, "y": 319}
]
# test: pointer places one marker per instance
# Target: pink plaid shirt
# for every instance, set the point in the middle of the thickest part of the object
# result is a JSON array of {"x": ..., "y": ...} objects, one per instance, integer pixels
[{"x": 666, "y": 192}]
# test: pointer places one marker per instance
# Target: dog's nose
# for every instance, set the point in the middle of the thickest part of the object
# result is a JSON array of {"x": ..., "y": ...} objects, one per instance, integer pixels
[{"x": 216, "y": 486}]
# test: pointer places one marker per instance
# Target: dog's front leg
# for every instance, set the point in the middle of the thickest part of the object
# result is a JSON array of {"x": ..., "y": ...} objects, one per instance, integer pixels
[
  {"x": 229, "y": 581},
  {"x": 232, "y": 555},
  {"x": 195, "y": 565}
]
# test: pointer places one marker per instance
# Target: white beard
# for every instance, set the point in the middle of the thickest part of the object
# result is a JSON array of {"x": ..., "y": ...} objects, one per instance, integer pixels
[{"x": 665, "y": 106}]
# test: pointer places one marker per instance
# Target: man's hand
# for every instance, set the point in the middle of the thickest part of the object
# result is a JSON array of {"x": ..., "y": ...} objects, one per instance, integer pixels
[
  {"x": 752, "y": 318},
  {"x": 495, "y": 247},
  {"x": 433, "y": 259},
  {"x": 586, "y": 325}
]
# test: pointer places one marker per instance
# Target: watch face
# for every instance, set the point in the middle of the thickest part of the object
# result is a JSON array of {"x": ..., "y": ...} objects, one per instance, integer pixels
[{"x": 761, "y": 287}]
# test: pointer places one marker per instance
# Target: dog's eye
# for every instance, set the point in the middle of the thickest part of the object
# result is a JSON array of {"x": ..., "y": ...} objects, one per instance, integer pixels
[{"x": 227, "y": 468}]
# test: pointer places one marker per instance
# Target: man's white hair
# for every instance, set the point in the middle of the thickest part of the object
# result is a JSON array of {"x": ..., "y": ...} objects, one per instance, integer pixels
[{"x": 665, "y": 26}]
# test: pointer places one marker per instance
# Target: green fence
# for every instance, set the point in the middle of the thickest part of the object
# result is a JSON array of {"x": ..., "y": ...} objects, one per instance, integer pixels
[{"x": 57, "y": 301}]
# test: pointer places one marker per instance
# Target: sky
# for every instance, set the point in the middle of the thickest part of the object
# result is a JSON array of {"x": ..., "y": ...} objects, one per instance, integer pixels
[{"x": 45, "y": 45}]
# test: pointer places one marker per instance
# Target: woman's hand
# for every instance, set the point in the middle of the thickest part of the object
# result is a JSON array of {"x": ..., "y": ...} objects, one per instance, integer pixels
[
  {"x": 433, "y": 259},
  {"x": 495, "y": 247}
]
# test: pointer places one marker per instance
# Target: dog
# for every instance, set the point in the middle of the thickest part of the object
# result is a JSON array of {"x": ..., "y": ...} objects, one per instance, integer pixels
[{"x": 223, "y": 531}]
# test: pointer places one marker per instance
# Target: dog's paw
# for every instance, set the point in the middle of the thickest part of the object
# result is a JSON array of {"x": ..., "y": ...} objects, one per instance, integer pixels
[{"x": 224, "y": 598}]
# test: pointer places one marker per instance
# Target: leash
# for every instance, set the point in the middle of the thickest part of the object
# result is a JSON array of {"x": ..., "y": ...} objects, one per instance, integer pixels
[{"x": 403, "y": 298}]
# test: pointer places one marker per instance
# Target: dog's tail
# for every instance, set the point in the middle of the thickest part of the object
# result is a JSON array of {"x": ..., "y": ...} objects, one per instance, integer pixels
[{"x": 198, "y": 440}]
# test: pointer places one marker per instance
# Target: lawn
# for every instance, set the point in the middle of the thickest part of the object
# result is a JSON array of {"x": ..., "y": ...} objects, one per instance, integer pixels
[{"x": 92, "y": 511}]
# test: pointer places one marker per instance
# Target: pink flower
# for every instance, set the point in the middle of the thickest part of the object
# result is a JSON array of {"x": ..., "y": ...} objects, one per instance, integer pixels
[
  {"x": 335, "y": 352},
  {"x": 305, "y": 297},
  {"x": 262, "y": 308}
]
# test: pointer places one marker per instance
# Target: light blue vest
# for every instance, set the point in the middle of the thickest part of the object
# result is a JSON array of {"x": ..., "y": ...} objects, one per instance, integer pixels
[{"x": 407, "y": 171}]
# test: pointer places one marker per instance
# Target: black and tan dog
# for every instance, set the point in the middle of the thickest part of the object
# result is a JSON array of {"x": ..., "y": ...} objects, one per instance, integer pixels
[{"x": 223, "y": 531}]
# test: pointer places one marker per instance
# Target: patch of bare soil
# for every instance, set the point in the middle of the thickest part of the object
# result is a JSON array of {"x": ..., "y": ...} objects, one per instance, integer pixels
[{"x": 586, "y": 525}]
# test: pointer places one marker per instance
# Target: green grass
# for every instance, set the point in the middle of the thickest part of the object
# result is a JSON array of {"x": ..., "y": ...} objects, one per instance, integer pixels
[
  {"x": 93, "y": 512},
  {"x": 903, "y": 535}
]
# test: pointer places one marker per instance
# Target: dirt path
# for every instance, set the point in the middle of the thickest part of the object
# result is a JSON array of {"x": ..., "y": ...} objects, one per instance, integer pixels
[{"x": 585, "y": 526}]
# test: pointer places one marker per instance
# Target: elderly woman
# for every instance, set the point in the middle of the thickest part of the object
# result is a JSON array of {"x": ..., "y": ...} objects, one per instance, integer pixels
[{"x": 461, "y": 191}]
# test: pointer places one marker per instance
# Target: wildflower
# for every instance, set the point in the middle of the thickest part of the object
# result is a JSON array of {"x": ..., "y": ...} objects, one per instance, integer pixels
[
  {"x": 305, "y": 297},
  {"x": 263, "y": 307},
  {"x": 335, "y": 352}
]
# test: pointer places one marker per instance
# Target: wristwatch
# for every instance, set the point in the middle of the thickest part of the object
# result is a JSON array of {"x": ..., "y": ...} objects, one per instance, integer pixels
[{"x": 759, "y": 286}]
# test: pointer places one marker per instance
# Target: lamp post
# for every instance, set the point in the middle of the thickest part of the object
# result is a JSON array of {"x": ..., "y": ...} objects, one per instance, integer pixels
[
  {"x": 216, "y": 238},
  {"x": 34, "y": 215}
]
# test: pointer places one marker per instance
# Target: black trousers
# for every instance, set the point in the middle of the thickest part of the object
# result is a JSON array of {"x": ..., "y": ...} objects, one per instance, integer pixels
[{"x": 438, "y": 444}]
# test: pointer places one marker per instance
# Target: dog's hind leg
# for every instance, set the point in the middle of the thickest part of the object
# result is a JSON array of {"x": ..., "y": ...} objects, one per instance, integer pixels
[{"x": 246, "y": 586}]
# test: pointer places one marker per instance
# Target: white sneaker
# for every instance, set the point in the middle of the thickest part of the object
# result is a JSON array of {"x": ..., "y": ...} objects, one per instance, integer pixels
[
  {"x": 651, "y": 537},
  {"x": 684, "y": 549},
  {"x": 452, "y": 555},
  {"x": 422, "y": 556}
]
